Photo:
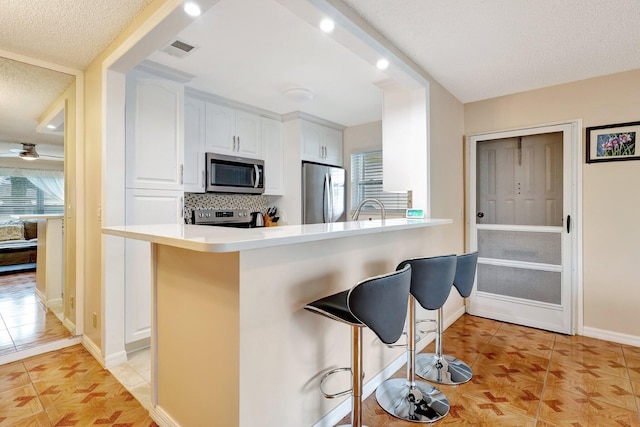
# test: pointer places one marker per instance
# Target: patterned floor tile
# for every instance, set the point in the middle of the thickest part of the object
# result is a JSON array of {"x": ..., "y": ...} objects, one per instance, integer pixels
[
  {"x": 536, "y": 346},
  {"x": 13, "y": 375},
  {"x": 494, "y": 361},
  {"x": 611, "y": 390},
  {"x": 472, "y": 411},
  {"x": 568, "y": 409},
  {"x": 595, "y": 366},
  {"x": 17, "y": 404},
  {"x": 633, "y": 364},
  {"x": 518, "y": 332},
  {"x": 522, "y": 396}
]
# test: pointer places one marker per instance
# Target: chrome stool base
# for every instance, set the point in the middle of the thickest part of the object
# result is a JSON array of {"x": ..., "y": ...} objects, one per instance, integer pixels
[
  {"x": 442, "y": 370},
  {"x": 420, "y": 404}
]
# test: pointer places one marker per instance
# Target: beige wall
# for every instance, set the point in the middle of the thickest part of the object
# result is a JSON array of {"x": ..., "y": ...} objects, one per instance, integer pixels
[
  {"x": 611, "y": 235},
  {"x": 93, "y": 178}
]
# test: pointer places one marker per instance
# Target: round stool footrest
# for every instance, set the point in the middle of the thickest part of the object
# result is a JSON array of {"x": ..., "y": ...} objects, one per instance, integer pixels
[
  {"x": 420, "y": 331},
  {"x": 327, "y": 375},
  {"x": 442, "y": 369},
  {"x": 420, "y": 403}
]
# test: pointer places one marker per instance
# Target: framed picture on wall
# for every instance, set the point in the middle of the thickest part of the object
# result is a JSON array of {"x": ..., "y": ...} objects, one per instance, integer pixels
[{"x": 611, "y": 143}]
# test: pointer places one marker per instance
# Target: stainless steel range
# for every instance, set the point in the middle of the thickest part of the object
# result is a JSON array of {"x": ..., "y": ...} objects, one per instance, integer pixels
[{"x": 240, "y": 218}]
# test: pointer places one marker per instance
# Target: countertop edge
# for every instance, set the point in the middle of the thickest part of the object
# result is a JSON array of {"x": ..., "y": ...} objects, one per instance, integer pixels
[{"x": 200, "y": 244}]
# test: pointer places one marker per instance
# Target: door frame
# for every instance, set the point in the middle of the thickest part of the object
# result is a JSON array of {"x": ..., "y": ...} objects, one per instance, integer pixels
[{"x": 575, "y": 210}]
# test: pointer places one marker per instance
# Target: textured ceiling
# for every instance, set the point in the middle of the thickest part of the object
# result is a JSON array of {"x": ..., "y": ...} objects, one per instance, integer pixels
[
  {"x": 480, "y": 49},
  {"x": 65, "y": 32},
  {"x": 26, "y": 91}
]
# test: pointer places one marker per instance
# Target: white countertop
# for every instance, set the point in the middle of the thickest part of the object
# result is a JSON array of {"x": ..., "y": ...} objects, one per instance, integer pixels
[
  {"x": 38, "y": 216},
  {"x": 206, "y": 238}
]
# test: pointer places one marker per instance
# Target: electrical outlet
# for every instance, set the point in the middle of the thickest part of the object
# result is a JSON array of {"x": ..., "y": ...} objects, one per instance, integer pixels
[
  {"x": 72, "y": 301},
  {"x": 95, "y": 320}
]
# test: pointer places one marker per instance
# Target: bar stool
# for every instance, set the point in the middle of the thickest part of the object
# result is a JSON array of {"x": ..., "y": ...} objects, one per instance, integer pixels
[
  {"x": 438, "y": 367},
  {"x": 379, "y": 303},
  {"x": 406, "y": 398}
]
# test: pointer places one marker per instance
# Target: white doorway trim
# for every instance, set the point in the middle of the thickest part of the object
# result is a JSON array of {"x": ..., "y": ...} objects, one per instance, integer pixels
[{"x": 576, "y": 197}]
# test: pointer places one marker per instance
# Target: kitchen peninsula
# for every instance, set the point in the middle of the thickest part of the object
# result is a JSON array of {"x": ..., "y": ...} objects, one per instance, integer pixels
[{"x": 231, "y": 343}]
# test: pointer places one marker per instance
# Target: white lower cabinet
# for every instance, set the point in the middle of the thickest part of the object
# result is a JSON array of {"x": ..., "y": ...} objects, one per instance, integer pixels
[
  {"x": 273, "y": 149},
  {"x": 144, "y": 206}
]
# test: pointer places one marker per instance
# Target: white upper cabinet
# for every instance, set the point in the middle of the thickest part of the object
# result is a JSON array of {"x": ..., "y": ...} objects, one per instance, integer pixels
[
  {"x": 194, "y": 145},
  {"x": 154, "y": 132},
  {"x": 232, "y": 132},
  {"x": 273, "y": 150},
  {"x": 321, "y": 144}
]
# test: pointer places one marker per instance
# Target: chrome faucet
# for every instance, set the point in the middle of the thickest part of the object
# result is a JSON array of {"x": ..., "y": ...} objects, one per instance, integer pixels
[{"x": 356, "y": 214}]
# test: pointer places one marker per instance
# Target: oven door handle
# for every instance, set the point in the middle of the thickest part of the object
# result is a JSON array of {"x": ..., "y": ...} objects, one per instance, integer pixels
[{"x": 257, "y": 176}]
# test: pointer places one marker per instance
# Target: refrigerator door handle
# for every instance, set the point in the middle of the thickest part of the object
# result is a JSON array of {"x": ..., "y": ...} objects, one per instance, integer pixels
[
  {"x": 331, "y": 213},
  {"x": 325, "y": 199}
]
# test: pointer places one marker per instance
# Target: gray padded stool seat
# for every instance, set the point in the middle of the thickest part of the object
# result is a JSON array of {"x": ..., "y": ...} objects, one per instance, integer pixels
[
  {"x": 406, "y": 398},
  {"x": 379, "y": 303},
  {"x": 438, "y": 367}
]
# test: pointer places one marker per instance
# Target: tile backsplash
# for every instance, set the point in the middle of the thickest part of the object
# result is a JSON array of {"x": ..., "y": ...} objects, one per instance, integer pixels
[{"x": 223, "y": 201}]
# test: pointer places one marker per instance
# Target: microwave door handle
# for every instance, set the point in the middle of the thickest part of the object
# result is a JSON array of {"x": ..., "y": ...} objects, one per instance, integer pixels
[{"x": 257, "y": 176}]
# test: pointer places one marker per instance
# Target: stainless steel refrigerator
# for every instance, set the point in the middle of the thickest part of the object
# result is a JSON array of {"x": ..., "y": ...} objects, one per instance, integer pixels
[{"x": 324, "y": 194}]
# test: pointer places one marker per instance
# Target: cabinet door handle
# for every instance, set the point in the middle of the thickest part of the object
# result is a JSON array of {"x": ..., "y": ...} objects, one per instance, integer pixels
[
  {"x": 181, "y": 207},
  {"x": 182, "y": 174},
  {"x": 203, "y": 178},
  {"x": 234, "y": 144},
  {"x": 238, "y": 143}
]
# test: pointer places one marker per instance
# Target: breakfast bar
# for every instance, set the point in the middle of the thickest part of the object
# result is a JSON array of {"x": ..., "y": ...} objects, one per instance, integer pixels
[{"x": 231, "y": 343}]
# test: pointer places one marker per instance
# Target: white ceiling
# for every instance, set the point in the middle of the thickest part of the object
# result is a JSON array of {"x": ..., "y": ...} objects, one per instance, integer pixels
[
  {"x": 477, "y": 49},
  {"x": 254, "y": 57},
  {"x": 481, "y": 49}
]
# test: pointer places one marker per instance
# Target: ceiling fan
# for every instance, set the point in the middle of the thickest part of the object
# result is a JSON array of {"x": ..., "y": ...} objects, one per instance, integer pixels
[{"x": 28, "y": 152}]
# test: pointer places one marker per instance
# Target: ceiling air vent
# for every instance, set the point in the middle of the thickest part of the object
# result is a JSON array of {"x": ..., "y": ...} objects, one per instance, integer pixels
[{"x": 179, "y": 48}]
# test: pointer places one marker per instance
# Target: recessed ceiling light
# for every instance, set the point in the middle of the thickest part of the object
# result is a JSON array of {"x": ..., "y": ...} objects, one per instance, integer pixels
[
  {"x": 51, "y": 126},
  {"x": 327, "y": 25},
  {"x": 192, "y": 9},
  {"x": 382, "y": 64}
]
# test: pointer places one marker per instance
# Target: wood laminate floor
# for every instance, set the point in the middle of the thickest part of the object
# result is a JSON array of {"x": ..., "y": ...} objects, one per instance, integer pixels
[
  {"x": 24, "y": 320},
  {"x": 528, "y": 377}
]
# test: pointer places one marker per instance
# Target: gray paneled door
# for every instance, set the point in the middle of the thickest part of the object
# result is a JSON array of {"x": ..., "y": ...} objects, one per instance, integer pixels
[{"x": 521, "y": 201}]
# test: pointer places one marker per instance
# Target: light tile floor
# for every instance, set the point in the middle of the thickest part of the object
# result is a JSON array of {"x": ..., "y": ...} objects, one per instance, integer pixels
[{"x": 24, "y": 321}]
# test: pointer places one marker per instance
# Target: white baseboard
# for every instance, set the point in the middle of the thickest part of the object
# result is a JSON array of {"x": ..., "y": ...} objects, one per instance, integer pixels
[
  {"x": 602, "y": 334},
  {"x": 93, "y": 349},
  {"x": 71, "y": 327},
  {"x": 107, "y": 362},
  {"x": 43, "y": 297},
  {"x": 343, "y": 409},
  {"x": 162, "y": 418},
  {"x": 39, "y": 349}
]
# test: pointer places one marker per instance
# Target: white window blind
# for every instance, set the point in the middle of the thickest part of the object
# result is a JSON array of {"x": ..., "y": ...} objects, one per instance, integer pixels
[
  {"x": 366, "y": 182},
  {"x": 18, "y": 196}
]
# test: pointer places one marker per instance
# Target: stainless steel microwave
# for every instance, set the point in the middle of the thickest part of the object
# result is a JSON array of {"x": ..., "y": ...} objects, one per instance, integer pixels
[{"x": 231, "y": 174}]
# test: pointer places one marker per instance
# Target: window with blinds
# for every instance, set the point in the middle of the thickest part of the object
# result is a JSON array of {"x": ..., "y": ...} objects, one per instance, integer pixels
[
  {"x": 366, "y": 182},
  {"x": 18, "y": 196}
]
